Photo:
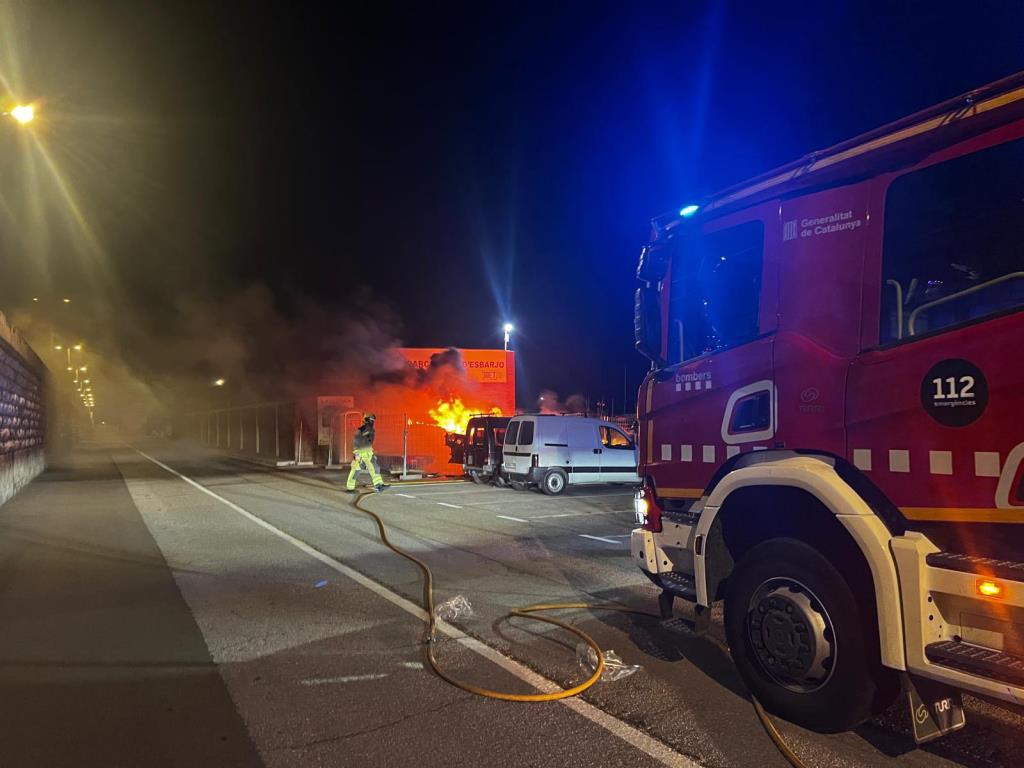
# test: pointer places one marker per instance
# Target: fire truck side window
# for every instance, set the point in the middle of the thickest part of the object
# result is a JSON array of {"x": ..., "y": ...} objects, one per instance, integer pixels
[
  {"x": 715, "y": 295},
  {"x": 954, "y": 243}
]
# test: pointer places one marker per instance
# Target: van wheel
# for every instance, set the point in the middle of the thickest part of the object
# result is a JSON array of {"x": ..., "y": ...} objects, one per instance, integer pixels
[
  {"x": 554, "y": 482},
  {"x": 801, "y": 640},
  {"x": 518, "y": 485},
  {"x": 477, "y": 478}
]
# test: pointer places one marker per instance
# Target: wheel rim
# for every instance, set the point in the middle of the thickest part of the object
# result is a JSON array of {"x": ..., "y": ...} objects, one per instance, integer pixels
[
  {"x": 791, "y": 635},
  {"x": 555, "y": 482}
]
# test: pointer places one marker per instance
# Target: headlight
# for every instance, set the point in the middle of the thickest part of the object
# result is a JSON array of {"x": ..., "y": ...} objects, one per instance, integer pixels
[{"x": 640, "y": 507}]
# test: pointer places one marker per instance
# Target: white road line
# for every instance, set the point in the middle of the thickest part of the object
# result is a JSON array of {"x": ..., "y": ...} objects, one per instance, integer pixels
[
  {"x": 637, "y": 738},
  {"x": 597, "y": 538},
  {"x": 517, "y": 519},
  {"x": 345, "y": 679},
  {"x": 443, "y": 504},
  {"x": 404, "y": 495},
  {"x": 537, "y": 498}
]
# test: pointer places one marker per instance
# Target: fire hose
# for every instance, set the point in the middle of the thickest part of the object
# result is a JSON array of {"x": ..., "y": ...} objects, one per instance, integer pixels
[{"x": 536, "y": 613}]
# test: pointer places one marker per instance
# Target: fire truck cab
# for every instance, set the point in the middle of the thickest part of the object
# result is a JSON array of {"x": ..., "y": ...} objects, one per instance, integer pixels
[{"x": 832, "y": 430}]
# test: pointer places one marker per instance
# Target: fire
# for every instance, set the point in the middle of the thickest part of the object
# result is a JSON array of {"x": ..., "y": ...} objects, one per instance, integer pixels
[{"x": 453, "y": 416}]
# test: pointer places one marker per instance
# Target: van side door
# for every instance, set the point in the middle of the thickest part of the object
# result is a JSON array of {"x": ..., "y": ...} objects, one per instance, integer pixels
[
  {"x": 584, "y": 451},
  {"x": 618, "y": 456}
]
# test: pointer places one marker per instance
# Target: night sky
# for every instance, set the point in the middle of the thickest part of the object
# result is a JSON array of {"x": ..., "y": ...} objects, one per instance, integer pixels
[{"x": 443, "y": 169}]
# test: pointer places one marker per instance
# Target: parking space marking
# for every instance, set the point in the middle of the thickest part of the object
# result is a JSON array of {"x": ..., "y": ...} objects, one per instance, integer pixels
[
  {"x": 537, "y": 498},
  {"x": 442, "y": 504},
  {"x": 405, "y": 495},
  {"x": 597, "y": 538},
  {"x": 517, "y": 519},
  {"x": 344, "y": 679}
]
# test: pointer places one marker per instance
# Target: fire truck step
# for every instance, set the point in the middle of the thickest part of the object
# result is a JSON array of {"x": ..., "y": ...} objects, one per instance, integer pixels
[
  {"x": 983, "y": 662},
  {"x": 680, "y": 584},
  {"x": 983, "y": 566}
]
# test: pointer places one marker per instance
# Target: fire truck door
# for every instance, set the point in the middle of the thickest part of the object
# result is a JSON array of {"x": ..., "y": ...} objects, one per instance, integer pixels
[{"x": 934, "y": 411}]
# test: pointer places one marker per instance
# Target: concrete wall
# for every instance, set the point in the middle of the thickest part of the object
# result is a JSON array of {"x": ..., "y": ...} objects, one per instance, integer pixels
[{"x": 22, "y": 412}]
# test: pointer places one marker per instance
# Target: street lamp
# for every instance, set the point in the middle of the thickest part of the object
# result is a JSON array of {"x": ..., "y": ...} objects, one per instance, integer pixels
[
  {"x": 23, "y": 113},
  {"x": 219, "y": 382},
  {"x": 508, "y": 328}
]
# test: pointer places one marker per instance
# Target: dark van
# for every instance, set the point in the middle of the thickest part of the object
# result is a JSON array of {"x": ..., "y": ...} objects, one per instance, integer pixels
[{"x": 485, "y": 435}]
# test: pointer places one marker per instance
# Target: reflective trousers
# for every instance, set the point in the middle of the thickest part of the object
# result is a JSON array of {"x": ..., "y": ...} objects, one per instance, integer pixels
[{"x": 363, "y": 458}]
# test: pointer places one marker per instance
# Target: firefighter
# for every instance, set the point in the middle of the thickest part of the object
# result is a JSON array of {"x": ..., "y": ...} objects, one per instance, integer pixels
[{"x": 362, "y": 455}]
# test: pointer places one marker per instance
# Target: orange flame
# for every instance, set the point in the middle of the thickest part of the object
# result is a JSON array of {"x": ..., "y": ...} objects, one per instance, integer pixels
[{"x": 453, "y": 416}]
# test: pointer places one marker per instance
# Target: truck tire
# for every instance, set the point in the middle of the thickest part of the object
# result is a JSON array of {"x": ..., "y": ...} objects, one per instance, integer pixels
[
  {"x": 555, "y": 482},
  {"x": 801, "y": 640}
]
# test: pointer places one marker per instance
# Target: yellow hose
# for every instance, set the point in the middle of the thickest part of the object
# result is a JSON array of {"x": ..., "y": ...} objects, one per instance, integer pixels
[{"x": 533, "y": 612}]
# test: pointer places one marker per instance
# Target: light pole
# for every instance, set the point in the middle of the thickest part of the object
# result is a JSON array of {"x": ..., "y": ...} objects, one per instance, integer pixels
[{"x": 508, "y": 328}]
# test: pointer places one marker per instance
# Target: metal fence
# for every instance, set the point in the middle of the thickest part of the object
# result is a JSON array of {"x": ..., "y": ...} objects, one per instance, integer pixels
[
  {"x": 402, "y": 444},
  {"x": 287, "y": 434},
  {"x": 273, "y": 432}
]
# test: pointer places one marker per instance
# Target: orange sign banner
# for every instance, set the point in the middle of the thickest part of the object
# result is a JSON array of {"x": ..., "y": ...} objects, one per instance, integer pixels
[{"x": 487, "y": 366}]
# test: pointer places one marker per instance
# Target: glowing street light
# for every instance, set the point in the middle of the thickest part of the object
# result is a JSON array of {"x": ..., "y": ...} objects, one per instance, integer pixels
[
  {"x": 508, "y": 328},
  {"x": 219, "y": 382},
  {"x": 66, "y": 300},
  {"x": 77, "y": 347},
  {"x": 23, "y": 113}
]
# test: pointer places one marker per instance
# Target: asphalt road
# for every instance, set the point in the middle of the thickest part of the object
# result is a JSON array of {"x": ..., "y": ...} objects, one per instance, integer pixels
[{"x": 313, "y": 629}]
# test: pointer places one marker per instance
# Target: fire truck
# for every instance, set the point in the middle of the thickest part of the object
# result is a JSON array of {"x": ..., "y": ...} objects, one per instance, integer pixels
[{"x": 832, "y": 428}]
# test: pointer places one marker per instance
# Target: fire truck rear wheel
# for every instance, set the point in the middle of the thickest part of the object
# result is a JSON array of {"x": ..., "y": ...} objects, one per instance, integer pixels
[
  {"x": 554, "y": 482},
  {"x": 800, "y": 639}
]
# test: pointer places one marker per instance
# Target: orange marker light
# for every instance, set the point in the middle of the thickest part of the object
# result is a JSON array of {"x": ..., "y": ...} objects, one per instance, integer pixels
[{"x": 990, "y": 588}]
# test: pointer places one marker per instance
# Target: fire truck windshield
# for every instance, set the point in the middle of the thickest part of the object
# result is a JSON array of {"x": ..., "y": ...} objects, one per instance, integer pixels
[
  {"x": 715, "y": 291},
  {"x": 954, "y": 242}
]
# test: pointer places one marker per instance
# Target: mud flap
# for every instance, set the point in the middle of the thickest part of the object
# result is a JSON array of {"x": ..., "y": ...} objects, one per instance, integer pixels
[{"x": 935, "y": 709}]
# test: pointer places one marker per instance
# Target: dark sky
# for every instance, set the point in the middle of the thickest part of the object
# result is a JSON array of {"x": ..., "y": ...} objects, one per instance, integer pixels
[{"x": 466, "y": 165}]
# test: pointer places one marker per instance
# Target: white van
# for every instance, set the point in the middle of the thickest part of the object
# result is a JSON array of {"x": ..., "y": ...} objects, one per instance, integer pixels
[{"x": 555, "y": 451}]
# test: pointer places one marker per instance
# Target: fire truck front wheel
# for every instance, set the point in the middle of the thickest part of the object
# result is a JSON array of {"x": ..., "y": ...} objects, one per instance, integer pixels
[{"x": 800, "y": 638}]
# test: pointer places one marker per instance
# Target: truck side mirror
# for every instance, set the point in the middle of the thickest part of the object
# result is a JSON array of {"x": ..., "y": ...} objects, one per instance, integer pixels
[{"x": 647, "y": 325}]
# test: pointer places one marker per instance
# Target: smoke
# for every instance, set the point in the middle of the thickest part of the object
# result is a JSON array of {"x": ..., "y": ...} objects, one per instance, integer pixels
[
  {"x": 144, "y": 362},
  {"x": 549, "y": 402}
]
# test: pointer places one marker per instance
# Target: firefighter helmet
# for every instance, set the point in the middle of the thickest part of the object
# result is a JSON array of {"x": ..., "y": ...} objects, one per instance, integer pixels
[{"x": 368, "y": 416}]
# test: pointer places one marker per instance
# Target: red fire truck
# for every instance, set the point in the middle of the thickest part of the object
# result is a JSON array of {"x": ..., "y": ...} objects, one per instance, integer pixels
[{"x": 832, "y": 429}]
